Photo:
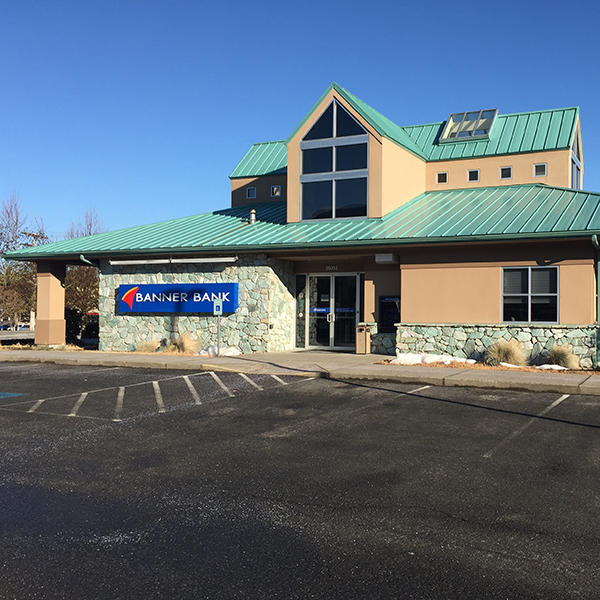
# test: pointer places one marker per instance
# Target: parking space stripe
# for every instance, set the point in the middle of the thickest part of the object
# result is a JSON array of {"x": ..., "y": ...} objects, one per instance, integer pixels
[
  {"x": 221, "y": 384},
  {"x": 78, "y": 404},
  {"x": 521, "y": 429},
  {"x": 159, "y": 398},
  {"x": 192, "y": 389},
  {"x": 36, "y": 405},
  {"x": 253, "y": 383},
  {"x": 119, "y": 404},
  {"x": 279, "y": 379},
  {"x": 419, "y": 389}
]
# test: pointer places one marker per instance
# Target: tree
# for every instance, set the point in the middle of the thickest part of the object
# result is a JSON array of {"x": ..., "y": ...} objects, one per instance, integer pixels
[
  {"x": 17, "y": 279},
  {"x": 81, "y": 282}
]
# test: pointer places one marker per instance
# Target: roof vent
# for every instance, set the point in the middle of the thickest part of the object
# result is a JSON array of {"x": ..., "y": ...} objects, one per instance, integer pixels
[
  {"x": 252, "y": 218},
  {"x": 472, "y": 125}
]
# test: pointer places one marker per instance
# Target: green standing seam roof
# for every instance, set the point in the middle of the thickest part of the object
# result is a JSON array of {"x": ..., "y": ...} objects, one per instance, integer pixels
[
  {"x": 265, "y": 158},
  {"x": 515, "y": 133},
  {"x": 511, "y": 134},
  {"x": 478, "y": 214}
]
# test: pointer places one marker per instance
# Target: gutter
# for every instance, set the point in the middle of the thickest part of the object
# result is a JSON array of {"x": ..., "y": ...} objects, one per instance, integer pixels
[{"x": 273, "y": 247}]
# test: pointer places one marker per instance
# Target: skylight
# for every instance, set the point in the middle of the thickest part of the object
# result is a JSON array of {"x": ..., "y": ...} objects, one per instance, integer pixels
[{"x": 472, "y": 125}]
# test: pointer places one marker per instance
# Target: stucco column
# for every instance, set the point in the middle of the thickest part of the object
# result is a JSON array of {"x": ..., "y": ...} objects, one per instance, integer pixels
[{"x": 50, "y": 322}]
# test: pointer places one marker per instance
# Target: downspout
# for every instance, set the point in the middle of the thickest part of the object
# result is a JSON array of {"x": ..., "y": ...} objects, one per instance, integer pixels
[{"x": 597, "y": 246}]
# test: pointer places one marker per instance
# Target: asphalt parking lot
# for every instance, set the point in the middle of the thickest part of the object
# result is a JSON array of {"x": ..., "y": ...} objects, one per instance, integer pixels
[{"x": 133, "y": 483}]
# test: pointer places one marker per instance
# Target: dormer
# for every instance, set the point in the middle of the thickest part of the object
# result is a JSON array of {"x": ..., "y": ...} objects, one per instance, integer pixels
[{"x": 342, "y": 165}]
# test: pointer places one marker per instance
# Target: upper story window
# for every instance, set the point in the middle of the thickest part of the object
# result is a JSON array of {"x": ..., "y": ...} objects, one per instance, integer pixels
[
  {"x": 505, "y": 172},
  {"x": 576, "y": 165},
  {"x": 473, "y": 175},
  {"x": 442, "y": 177},
  {"x": 540, "y": 170},
  {"x": 250, "y": 193},
  {"x": 275, "y": 191},
  {"x": 334, "y": 167}
]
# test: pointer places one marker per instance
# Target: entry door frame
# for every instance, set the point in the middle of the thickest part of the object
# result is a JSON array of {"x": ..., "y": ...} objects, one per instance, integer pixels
[{"x": 331, "y": 276}]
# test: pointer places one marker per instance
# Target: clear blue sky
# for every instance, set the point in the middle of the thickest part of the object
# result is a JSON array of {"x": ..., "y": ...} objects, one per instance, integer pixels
[{"x": 141, "y": 109}]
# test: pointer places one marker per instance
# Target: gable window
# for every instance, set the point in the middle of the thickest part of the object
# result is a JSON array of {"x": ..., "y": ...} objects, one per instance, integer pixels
[
  {"x": 250, "y": 193},
  {"x": 575, "y": 165},
  {"x": 530, "y": 294},
  {"x": 334, "y": 171},
  {"x": 473, "y": 175},
  {"x": 275, "y": 191},
  {"x": 540, "y": 170},
  {"x": 505, "y": 172},
  {"x": 442, "y": 177}
]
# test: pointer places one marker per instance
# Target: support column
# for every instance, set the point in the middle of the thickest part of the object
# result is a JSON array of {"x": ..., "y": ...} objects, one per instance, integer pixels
[{"x": 50, "y": 322}]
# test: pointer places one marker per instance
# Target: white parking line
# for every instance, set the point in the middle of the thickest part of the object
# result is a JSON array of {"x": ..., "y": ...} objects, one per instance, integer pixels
[
  {"x": 221, "y": 384},
  {"x": 244, "y": 376},
  {"x": 114, "y": 387},
  {"x": 192, "y": 389},
  {"x": 279, "y": 379},
  {"x": 419, "y": 389},
  {"x": 119, "y": 404},
  {"x": 78, "y": 404},
  {"x": 159, "y": 398},
  {"x": 521, "y": 429},
  {"x": 37, "y": 405}
]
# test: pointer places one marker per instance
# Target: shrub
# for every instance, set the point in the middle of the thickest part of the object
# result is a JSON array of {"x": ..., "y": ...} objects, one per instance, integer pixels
[
  {"x": 504, "y": 351},
  {"x": 561, "y": 355},
  {"x": 182, "y": 344},
  {"x": 147, "y": 346}
]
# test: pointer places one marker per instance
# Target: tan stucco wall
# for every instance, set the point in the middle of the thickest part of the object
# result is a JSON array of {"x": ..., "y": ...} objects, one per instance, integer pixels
[
  {"x": 382, "y": 282},
  {"x": 50, "y": 320},
  {"x": 558, "y": 161},
  {"x": 293, "y": 152},
  {"x": 263, "y": 189},
  {"x": 462, "y": 293},
  {"x": 403, "y": 177}
]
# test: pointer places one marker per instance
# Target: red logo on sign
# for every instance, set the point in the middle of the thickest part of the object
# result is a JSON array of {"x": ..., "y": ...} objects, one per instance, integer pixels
[{"x": 129, "y": 295}]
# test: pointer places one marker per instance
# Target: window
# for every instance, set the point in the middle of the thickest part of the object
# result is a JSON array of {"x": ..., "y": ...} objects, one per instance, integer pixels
[
  {"x": 250, "y": 193},
  {"x": 575, "y": 165},
  {"x": 466, "y": 126},
  {"x": 540, "y": 170},
  {"x": 442, "y": 177},
  {"x": 275, "y": 191},
  {"x": 473, "y": 175},
  {"x": 334, "y": 167},
  {"x": 505, "y": 172},
  {"x": 530, "y": 294}
]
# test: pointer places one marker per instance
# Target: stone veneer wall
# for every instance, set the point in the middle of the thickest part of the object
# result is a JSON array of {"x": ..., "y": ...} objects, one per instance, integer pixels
[
  {"x": 263, "y": 322},
  {"x": 470, "y": 341},
  {"x": 383, "y": 343}
]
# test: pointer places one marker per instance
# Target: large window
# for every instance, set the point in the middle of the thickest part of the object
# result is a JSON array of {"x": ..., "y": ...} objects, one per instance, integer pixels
[
  {"x": 334, "y": 167},
  {"x": 530, "y": 294}
]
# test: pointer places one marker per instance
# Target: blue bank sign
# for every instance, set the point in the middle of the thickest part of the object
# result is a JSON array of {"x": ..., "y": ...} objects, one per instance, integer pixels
[{"x": 177, "y": 297}]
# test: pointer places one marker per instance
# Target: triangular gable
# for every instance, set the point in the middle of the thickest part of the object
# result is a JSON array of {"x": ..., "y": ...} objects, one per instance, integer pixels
[{"x": 374, "y": 119}]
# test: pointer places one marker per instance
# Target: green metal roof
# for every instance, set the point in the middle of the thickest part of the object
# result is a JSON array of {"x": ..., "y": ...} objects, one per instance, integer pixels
[
  {"x": 265, "y": 158},
  {"x": 478, "y": 214},
  {"x": 511, "y": 134}
]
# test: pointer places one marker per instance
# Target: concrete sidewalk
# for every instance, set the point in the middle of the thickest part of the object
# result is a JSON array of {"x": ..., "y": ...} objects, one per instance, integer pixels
[{"x": 333, "y": 365}]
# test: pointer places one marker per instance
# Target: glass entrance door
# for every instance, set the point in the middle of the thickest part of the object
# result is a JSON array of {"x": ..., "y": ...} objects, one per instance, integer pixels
[
  {"x": 344, "y": 311},
  {"x": 332, "y": 311},
  {"x": 319, "y": 312}
]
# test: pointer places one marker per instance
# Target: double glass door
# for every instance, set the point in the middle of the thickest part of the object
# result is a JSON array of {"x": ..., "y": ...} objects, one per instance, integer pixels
[{"x": 332, "y": 311}]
